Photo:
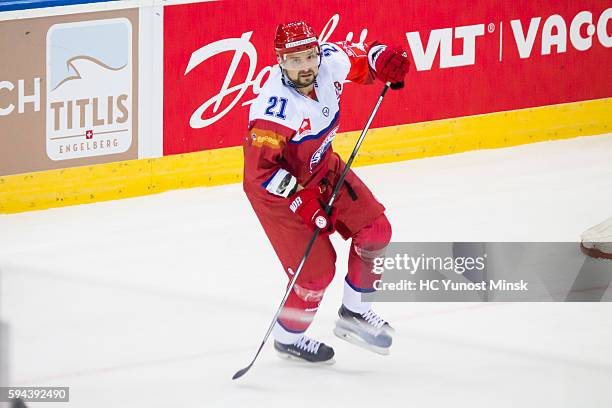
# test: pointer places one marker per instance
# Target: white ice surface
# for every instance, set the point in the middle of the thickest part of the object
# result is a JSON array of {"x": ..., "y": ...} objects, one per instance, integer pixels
[{"x": 156, "y": 301}]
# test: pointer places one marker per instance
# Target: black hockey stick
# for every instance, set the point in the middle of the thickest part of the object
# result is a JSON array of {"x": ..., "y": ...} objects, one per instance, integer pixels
[{"x": 332, "y": 198}]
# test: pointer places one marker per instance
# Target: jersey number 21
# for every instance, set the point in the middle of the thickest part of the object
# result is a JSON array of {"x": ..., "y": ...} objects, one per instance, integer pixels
[{"x": 272, "y": 102}]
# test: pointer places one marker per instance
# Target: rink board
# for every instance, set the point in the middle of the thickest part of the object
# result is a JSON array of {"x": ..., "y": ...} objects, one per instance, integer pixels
[{"x": 81, "y": 185}]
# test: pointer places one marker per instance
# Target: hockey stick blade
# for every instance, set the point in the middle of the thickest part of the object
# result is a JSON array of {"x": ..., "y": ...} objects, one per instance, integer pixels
[{"x": 242, "y": 372}]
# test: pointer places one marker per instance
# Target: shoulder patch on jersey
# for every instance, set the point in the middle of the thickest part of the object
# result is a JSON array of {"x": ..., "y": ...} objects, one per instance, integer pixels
[
  {"x": 266, "y": 138},
  {"x": 269, "y": 134}
]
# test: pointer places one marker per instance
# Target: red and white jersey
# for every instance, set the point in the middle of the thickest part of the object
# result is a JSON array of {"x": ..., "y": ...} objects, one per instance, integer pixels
[{"x": 290, "y": 135}]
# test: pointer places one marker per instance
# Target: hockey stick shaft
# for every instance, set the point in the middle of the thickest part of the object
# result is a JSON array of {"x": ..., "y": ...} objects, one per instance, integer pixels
[
  {"x": 347, "y": 167},
  {"x": 328, "y": 208}
]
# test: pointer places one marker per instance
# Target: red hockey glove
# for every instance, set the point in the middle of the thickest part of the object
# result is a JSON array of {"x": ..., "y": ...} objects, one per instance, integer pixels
[
  {"x": 307, "y": 203},
  {"x": 392, "y": 66}
]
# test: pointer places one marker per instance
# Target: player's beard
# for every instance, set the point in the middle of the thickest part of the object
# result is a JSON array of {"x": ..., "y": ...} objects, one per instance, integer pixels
[{"x": 301, "y": 81}]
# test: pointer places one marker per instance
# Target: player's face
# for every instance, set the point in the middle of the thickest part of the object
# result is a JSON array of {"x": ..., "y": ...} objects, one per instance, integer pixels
[{"x": 301, "y": 67}]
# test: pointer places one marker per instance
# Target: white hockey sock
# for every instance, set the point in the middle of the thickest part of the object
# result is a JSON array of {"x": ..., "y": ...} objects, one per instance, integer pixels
[
  {"x": 284, "y": 336},
  {"x": 352, "y": 300}
]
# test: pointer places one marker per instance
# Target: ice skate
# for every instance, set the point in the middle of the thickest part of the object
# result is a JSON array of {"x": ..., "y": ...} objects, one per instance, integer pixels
[
  {"x": 596, "y": 242},
  {"x": 367, "y": 330},
  {"x": 306, "y": 350}
]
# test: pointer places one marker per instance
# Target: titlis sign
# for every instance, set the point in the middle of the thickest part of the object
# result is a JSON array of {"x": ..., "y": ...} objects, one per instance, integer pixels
[
  {"x": 88, "y": 89},
  {"x": 555, "y": 34},
  {"x": 88, "y": 103}
]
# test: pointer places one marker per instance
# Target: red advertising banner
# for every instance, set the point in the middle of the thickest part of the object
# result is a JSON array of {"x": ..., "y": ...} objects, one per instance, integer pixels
[{"x": 486, "y": 57}]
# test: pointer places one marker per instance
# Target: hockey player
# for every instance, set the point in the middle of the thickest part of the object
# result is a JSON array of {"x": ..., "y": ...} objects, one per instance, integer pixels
[{"x": 290, "y": 170}]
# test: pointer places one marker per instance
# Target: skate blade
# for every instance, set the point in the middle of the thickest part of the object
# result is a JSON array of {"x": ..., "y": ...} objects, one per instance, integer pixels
[
  {"x": 352, "y": 338},
  {"x": 298, "y": 360},
  {"x": 594, "y": 252}
]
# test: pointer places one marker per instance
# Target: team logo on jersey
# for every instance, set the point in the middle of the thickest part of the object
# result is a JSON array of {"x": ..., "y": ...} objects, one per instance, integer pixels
[
  {"x": 338, "y": 87},
  {"x": 325, "y": 111},
  {"x": 305, "y": 127},
  {"x": 316, "y": 157}
]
